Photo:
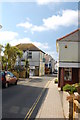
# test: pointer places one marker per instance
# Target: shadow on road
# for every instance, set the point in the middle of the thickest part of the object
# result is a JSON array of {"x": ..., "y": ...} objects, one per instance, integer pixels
[
  {"x": 36, "y": 80},
  {"x": 17, "y": 100},
  {"x": 51, "y": 75}
]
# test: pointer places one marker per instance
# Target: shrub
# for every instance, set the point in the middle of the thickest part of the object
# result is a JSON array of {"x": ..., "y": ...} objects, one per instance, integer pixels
[
  {"x": 76, "y": 84},
  {"x": 16, "y": 74},
  {"x": 56, "y": 80},
  {"x": 69, "y": 88}
]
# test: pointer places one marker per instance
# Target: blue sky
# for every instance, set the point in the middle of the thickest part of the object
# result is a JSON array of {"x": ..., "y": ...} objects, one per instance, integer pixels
[{"x": 40, "y": 24}]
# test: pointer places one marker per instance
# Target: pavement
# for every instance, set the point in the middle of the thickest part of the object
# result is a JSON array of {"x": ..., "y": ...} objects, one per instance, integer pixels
[{"x": 51, "y": 107}]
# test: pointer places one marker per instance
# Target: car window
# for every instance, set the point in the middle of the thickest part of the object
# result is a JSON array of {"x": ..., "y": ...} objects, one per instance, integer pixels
[
  {"x": 9, "y": 73},
  {"x": 2, "y": 74}
]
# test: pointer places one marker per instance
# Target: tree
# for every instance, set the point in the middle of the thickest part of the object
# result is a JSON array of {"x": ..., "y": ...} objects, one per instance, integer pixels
[
  {"x": 11, "y": 53},
  {"x": 20, "y": 54},
  {"x": 27, "y": 68},
  {"x": 4, "y": 61}
]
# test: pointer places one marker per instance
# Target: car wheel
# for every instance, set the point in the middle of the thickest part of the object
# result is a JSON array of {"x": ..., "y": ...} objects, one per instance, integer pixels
[
  {"x": 7, "y": 85},
  {"x": 16, "y": 82}
]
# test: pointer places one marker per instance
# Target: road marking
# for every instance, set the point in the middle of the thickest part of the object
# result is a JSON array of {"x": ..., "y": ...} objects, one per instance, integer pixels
[{"x": 28, "y": 115}]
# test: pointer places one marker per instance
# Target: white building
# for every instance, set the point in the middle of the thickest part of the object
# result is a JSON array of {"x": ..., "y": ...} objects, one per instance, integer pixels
[
  {"x": 49, "y": 63},
  {"x": 68, "y": 48},
  {"x": 35, "y": 57}
]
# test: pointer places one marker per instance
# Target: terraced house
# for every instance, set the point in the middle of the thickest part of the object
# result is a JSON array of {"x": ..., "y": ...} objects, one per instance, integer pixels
[
  {"x": 68, "y": 48},
  {"x": 35, "y": 57}
]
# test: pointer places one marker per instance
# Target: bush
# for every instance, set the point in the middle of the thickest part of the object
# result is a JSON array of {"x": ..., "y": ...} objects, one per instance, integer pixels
[
  {"x": 56, "y": 80},
  {"x": 76, "y": 84},
  {"x": 69, "y": 88},
  {"x": 22, "y": 74}
]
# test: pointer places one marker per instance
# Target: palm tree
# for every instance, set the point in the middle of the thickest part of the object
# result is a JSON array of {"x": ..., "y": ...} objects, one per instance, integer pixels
[
  {"x": 27, "y": 68},
  {"x": 11, "y": 53},
  {"x": 20, "y": 54}
]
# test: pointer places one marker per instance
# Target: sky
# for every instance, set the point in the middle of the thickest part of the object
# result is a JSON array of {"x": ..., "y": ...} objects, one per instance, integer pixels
[{"x": 41, "y": 22}]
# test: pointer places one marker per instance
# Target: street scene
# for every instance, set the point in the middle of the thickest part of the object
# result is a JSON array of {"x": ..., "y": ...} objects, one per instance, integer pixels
[
  {"x": 39, "y": 60},
  {"x": 17, "y": 100}
]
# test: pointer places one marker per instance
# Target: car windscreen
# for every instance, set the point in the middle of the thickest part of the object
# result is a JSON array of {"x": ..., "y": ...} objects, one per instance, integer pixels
[{"x": 9, "y": 73}]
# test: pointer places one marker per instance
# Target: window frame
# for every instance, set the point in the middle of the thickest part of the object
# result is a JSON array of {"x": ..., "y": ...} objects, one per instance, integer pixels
[
  {"x": 70, "y": 72},
  {"x": 29, "y": 55}
]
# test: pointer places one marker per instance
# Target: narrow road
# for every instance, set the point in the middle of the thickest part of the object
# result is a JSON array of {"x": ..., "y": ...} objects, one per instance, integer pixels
[{"x": 24, "y": 100}]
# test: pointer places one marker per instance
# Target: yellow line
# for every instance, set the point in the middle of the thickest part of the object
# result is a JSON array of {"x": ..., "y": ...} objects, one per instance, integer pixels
[{"x": 35, "y": 103}]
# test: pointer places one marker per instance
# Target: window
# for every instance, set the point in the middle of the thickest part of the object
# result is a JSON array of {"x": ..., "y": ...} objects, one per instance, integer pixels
[
  {"x": 65, "y": 46},
  {"x": 9, "y": 73},
  {"x": 67, "y": 74},
  {"x": 30, "y": 55}
]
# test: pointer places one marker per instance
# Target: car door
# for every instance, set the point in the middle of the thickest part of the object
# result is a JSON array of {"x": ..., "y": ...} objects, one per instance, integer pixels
[
  {"x": 8, "y": 77},
  {"x": 12, "y": 78}
]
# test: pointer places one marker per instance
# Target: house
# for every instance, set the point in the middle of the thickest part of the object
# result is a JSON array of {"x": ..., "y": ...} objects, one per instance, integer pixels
[
  {"x": 49, "y": 64},
  {"x": 35, "y": 56},
  {"x": 68, "y": 48}
]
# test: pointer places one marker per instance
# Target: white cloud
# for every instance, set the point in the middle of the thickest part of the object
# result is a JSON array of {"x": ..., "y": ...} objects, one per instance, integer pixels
[
  {"x": 65, "y": 18},
  {"x": 11, "y": 37},
  {"x": 38, "y": 28},
  {"x": 25, "y": 25},
  {"x": 41, "y": 45},
  {"x": 44, "y": 2},
  {"x": 54, "y": 54},
  {"x": 7, "y": 35},
  {"x": 40, "y": 1},
  {"x": 18, "y": 41}
]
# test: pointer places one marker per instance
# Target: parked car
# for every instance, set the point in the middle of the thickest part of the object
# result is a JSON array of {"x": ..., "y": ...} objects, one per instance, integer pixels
[{"x": 7, "y": 78}]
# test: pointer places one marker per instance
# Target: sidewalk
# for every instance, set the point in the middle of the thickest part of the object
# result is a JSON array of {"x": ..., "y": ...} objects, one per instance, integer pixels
[{"x": 51, "y": 107}]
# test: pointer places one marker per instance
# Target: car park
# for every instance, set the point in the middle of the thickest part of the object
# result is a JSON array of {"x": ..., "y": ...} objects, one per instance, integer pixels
[{"x": 7, "y": 78}]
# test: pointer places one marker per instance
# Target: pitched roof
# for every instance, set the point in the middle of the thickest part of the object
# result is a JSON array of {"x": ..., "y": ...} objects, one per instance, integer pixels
[
  {"x": 28, "y": 46},
  {"x": 59, "y": 39}
]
